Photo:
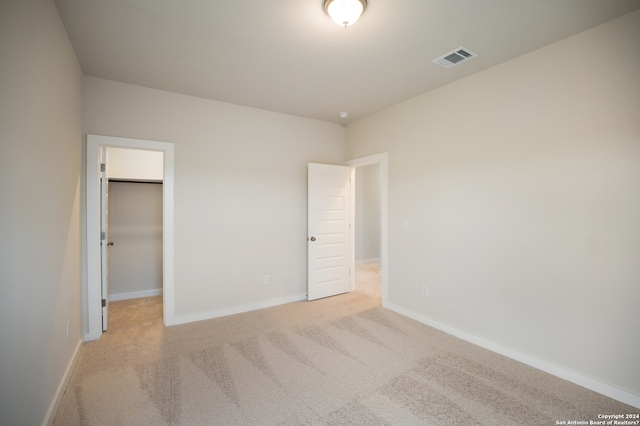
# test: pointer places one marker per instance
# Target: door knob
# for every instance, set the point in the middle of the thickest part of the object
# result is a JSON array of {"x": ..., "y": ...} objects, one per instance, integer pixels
[
  {"x": 312, "y": 238},
  {"x": 110, "y": 243}
]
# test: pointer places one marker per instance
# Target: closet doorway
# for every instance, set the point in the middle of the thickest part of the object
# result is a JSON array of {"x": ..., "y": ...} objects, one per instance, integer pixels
[{"x": 113, "y": 155}]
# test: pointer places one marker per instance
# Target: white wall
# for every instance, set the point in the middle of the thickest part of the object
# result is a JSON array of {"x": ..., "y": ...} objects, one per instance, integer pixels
[
  {"x": 367, "y": 215},
  {"x": 240, "y": 189},
  {"x": 40, "y": 164},
  {"x": 521, "y": 187},
  {"x": 135, "y": 164}
]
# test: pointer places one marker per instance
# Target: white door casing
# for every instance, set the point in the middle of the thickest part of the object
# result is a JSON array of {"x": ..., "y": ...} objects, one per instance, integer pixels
[
  {"x": 329, "y": 235},
  {"x": 104, "y": 237}
]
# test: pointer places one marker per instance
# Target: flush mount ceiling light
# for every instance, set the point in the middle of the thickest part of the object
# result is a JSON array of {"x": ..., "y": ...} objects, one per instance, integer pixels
[{"x": 344, "y": 12}]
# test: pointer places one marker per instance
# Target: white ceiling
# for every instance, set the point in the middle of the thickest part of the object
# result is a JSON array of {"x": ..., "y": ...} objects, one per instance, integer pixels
[{"x": 288, "y": 56}]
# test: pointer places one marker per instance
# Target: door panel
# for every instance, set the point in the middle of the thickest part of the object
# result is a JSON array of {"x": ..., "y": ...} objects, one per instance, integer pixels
[{"x": 329, "y": 216}]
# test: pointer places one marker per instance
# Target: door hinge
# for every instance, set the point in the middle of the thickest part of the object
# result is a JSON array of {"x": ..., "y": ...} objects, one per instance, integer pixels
[
  {"x": 103, "y": 235},
  {"x": 103, "y": 167},
  {"x": 104, "y": 302}
]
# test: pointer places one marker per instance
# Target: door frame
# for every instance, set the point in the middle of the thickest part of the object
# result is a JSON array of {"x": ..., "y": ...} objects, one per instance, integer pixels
[
  {"x": 383, "y": 160},
  {"x": 92, "y": 232}
]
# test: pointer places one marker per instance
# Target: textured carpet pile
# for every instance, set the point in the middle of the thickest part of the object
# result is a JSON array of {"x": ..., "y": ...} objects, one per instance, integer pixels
[{"x": 337, "y": 361}]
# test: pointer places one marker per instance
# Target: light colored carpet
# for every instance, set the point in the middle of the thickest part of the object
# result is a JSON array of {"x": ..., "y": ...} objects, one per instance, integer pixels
[
  {"x": 368, "y": 280},
  {"x": 335, "y": 361}
]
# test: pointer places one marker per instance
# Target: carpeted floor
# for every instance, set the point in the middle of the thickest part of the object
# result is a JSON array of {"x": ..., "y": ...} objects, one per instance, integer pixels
[{"x": 335, "y": 361}]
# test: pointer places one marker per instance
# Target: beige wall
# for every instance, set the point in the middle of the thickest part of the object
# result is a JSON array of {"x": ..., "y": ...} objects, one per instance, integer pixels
[
  {"x": 521, "y": 188},
  {"x": 367, "y": 214},
  {"x": 135, "y": 228},
  {"x": 240, "y": 189},
  {"x": 40, "y": 163}
]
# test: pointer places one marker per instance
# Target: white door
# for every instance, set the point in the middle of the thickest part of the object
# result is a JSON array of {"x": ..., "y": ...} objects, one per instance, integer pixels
[
  {"x": 104, "y": 237},
  {"x": 328, "y": 240}
]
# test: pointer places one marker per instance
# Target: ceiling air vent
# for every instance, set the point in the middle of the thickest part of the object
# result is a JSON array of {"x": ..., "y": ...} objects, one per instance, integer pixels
[{"x": 455, "y": 57}]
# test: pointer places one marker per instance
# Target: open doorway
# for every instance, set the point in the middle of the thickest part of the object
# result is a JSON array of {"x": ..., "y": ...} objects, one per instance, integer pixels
[
  {"x": 370, "y": 234},
  {"x": 135, "y": 238},
  {"x": 368, "y": 279},
  {"x": 331, "y": 268},
  {"x": 97, "y": 297}
]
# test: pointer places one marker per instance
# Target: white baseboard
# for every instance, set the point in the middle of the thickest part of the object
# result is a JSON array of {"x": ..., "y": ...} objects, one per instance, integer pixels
[
  {"x": 563, "y": 373},
  {"x": 183, "y": 319},
  {"x": 57, "y": 398},
  {"x": 135, "y": 295},
  {"x": 367, "y": 261}
]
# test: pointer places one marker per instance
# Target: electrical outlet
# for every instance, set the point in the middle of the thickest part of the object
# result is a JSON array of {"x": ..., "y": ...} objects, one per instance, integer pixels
[
  {"x": 265, "y": 279},
  {"x": 405, "y": 225},
  {"x": 67, "y": 328},
  {"x": 425, "y": 290}
]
